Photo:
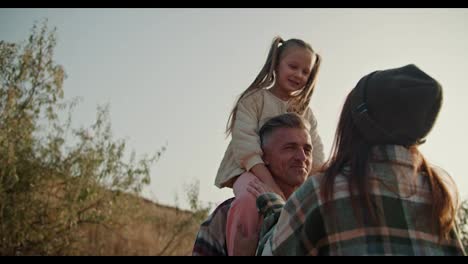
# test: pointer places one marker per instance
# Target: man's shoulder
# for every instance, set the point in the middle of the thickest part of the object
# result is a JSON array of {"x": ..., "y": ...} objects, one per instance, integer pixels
[
  {"x": 211, "y": 238},
  {"x": 221, "y": 209}
]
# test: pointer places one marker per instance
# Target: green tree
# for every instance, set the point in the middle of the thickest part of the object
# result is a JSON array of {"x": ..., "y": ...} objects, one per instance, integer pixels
[{"x": 54, "y": 179}]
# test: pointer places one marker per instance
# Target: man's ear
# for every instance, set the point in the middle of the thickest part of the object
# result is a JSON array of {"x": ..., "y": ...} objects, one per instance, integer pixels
[
  {"x": 265, "y": 156},
  {"x": 265, "y": 160}
]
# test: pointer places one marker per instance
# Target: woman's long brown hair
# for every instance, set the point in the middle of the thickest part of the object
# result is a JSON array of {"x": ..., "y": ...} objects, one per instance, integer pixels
[{"x": 351, "y": 150}]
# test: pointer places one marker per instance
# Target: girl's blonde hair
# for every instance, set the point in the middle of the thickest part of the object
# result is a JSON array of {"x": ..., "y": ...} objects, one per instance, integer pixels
[{"x": 266, "y": 78}]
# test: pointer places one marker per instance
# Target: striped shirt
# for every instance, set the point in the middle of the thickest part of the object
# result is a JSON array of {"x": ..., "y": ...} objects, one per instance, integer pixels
[
  {"x": 211, "y": 238},
  {"x": 302, "y": 225}
]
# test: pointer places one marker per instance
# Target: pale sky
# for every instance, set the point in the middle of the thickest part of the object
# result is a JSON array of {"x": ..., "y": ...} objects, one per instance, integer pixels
[{"x": 171, "y": 76}]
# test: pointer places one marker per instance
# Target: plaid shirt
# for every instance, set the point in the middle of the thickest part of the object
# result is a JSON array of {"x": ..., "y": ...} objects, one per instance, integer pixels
[
  {"x": 211, "y": 238},
  {"x": 301, "y": 226}
]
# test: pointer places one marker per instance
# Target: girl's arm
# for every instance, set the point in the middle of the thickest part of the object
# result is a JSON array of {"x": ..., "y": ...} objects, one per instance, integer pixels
[
  {"x": 246, "y": 141},
  {"x": 263, "y": 173}
]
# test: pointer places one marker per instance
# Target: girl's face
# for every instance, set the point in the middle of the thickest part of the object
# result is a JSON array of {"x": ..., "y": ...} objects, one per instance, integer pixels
[{"x": 293, "y": 71}]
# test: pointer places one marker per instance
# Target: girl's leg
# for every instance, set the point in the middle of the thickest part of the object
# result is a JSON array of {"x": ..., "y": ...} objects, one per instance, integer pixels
[{"x": 243, "y": 219}]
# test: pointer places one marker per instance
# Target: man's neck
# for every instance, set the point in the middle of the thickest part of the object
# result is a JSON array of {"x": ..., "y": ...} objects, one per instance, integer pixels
[{"x": 287, "y": 190}]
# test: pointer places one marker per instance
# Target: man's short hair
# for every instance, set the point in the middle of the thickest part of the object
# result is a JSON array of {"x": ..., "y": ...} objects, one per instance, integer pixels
[{"x": 288, "y": 120}]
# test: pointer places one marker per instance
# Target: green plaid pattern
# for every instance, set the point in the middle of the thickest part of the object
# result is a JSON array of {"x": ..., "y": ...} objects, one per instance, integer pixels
[{"x": 303, "y": 225}]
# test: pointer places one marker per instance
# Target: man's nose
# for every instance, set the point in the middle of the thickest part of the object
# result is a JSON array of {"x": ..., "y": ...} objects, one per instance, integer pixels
[{"x": 301, "y": 155}]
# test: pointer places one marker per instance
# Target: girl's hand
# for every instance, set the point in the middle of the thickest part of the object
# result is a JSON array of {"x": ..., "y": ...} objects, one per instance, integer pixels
[{"x": 257, "y": 188}]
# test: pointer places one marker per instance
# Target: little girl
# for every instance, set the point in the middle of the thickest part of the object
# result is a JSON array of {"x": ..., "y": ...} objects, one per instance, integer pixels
[{"x": 285, "y": 84}]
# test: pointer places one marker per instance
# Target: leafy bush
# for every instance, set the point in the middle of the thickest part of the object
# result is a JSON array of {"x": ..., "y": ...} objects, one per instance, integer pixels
[{"x": 49, "y": 186}]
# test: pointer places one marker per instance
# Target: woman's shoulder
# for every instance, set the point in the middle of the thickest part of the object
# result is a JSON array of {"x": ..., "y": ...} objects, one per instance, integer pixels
[
  {"x": 446, "y": 178},
  {"x": 312, "y": 183},
  {"x": 308, "y": 194}
]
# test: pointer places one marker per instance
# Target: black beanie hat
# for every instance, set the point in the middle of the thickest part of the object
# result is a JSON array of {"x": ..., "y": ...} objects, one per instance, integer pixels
[{"x": 396, "y": 106}]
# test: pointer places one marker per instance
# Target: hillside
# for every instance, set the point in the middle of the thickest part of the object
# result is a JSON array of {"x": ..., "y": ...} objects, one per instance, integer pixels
[{"x": 147, "y": 229}]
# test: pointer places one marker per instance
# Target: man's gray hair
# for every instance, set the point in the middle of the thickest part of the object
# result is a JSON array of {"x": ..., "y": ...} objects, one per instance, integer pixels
[{"x": 288, "y": 120}]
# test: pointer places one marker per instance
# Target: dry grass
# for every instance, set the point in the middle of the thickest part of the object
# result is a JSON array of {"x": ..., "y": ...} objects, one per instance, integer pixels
[{"x": 145, "y": 229}]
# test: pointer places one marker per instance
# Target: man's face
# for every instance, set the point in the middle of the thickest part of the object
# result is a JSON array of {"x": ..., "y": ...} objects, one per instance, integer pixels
[{"x": 288, "y": 155}]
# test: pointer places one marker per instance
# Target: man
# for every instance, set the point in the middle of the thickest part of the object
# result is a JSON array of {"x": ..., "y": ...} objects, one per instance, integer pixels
[{"x": 287, "y": 152}]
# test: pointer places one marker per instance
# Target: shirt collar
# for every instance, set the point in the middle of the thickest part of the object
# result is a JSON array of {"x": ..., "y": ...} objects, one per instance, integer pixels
[{"x": 394, "y": 153}]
